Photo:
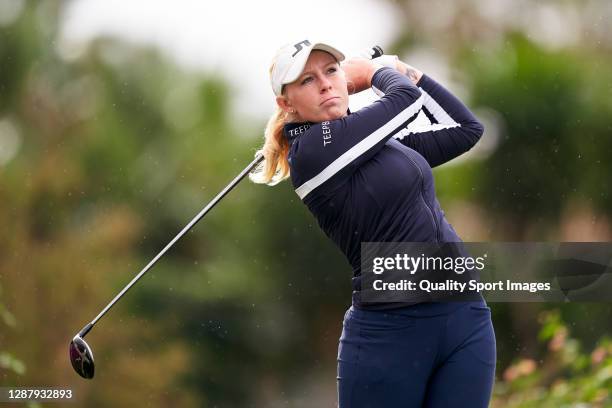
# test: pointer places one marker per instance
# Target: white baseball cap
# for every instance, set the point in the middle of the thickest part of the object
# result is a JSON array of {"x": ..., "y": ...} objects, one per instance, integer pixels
[{"x": 289, "y": 62}]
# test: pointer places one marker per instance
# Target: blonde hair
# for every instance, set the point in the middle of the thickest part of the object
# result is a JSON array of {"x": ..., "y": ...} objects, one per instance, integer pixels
[
  {"x": 275, "y": 167},
  {"x": 275, "y": 150}
]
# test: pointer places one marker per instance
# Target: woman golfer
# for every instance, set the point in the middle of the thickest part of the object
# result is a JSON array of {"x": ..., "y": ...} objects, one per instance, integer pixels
[{"x": 367, "y": 178}]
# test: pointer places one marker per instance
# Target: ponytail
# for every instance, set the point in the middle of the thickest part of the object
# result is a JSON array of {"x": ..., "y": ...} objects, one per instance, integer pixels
[{"x": 275, "y": 167}]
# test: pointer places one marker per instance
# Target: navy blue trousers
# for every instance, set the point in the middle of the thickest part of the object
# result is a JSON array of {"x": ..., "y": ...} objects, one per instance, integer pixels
[{"x": 426, "y": 355}]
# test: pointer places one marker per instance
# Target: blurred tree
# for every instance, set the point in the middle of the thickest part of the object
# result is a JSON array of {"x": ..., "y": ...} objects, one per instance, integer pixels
[
  {"x": 554, "y": 147},
  {"x": 118, "y": 150},
  {"x": 565, "y": 376}
]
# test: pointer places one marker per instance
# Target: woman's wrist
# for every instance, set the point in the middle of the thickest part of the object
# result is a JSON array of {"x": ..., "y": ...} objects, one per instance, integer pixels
[{"x": 411, "y": 72}]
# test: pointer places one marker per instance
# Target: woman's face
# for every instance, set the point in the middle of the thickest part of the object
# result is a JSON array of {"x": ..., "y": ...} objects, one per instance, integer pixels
[{"x": 319, "y": 93}]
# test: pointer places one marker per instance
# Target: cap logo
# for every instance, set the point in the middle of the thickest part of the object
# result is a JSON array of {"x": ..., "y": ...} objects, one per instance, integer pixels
[{"x": 298, "y": 47}]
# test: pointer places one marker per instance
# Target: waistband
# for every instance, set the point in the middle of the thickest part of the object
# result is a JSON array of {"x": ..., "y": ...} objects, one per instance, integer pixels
[{"x": 425, "y": 309}]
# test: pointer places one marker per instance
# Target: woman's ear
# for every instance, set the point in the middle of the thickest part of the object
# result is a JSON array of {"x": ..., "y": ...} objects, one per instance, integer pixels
[{"x": 284, "y": 104}]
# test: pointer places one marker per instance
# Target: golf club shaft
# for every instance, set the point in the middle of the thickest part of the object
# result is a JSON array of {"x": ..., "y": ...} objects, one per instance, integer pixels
[{"x": 193, "y": 222}]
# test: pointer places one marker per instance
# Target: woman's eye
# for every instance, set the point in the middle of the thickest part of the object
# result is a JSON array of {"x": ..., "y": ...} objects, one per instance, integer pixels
[
  {"x": 332, "y": 70},
  {"x": 306, "y": 80}
]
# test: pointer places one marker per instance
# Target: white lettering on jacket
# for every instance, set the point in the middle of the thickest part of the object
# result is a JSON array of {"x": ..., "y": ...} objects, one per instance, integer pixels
[
  {"x": 299, "y": 130},
  {"x": 327, "y": 135}
]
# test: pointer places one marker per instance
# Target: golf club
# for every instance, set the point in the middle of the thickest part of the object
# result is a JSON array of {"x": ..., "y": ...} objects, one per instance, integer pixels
[{"x": 81, "y": 356}]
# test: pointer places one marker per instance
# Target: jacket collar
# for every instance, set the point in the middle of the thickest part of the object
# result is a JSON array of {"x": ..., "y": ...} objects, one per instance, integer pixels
[{"x": 293, "y": 130}]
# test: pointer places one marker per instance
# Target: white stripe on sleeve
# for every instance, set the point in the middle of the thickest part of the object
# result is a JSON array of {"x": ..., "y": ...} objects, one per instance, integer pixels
[
  {"x": 360, "y": 148},
  {"x": 421, "y": 124},
  {"x": 437, "y": 111}
]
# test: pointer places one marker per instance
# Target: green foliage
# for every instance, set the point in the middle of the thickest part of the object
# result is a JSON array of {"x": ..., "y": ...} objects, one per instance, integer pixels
[
  {"x": 554, "y": 145},
  {"x": 8, "y": 362},
  {"x": 564, "y": 377}
]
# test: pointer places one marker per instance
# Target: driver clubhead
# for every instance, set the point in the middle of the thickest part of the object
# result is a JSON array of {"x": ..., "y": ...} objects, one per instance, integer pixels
[{"x": 81, "y": 357}]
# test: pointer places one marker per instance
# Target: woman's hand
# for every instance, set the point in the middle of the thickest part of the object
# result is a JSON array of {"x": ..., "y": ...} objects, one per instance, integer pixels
[
  {"x": 392, "y": 61},
  {"x": 359, "y": 73}
]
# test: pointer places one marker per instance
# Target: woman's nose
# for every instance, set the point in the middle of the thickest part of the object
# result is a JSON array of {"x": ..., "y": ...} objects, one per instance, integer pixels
[{"x": 324, "y": 83}]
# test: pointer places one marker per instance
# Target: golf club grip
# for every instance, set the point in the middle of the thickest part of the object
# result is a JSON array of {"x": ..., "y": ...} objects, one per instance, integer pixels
[{"x": 378, "y": 51}]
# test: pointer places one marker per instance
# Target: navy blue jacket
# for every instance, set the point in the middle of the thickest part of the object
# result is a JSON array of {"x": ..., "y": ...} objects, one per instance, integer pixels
[{"x": 367, "y": 177}]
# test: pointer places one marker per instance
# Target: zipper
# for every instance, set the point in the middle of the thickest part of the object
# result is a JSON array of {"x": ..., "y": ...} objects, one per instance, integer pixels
[{"x": 431, "y": 212}]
